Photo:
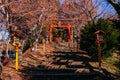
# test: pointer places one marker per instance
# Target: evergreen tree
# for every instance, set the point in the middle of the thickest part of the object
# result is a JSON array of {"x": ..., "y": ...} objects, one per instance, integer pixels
[{"x": 88, "y": 37}]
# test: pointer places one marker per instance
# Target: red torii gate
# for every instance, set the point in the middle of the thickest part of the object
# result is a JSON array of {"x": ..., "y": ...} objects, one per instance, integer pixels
[{"x": 63, "y": 23}]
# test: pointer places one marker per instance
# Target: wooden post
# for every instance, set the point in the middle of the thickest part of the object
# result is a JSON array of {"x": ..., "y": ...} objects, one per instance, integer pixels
[
  {"x": 72, "y": 37},
  {"x": 99, "y": 56},
  {"x": 69, "y": 33},
  {"x": 50, "y": 33}
]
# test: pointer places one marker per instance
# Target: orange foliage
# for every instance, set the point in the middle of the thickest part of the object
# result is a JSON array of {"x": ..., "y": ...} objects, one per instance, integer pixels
[{"x": 26, "y": 13}]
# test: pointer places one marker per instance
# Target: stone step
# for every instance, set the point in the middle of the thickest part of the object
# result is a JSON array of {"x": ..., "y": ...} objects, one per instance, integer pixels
[
  {"x": 53, "y": 66},
  {"x": 45, "y": 70},
  {"x": 56, "y": 58},
  {"x": 69, "y": 52},
  {"x": 63, "y": 44},
  {"x": 62, "y": 74},
  {"x": 60, "y": 63},
  {"x": 55, "y": 70},
  {"x": 77, "y": 63},
  {"x": 87, "y": 76},
  {"x": 75, "y": 66},
  {"x": 68, "y": 77}
]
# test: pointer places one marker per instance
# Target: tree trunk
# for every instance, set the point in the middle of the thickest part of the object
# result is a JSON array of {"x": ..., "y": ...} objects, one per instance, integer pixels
[
  {"x": 116, "y": 6},
  {"x": 7, "y": 45}
]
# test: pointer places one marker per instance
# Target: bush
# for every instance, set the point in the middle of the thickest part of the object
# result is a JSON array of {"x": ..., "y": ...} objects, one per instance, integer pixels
[
  {"x": 88, "y": 38},
  {"x": 116, "y": 23}
]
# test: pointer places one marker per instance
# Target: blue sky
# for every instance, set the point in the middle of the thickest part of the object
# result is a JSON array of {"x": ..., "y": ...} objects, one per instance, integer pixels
[
  {"x": 104, "y": 5},
  {"x": 6, "y": 35},
  {"x": 2, "y": 32},
  {"x": 61, "y": 1}
]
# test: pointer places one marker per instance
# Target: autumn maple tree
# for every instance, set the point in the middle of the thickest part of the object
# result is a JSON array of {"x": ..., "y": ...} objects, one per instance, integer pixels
[{"x": 27, "y": 18}]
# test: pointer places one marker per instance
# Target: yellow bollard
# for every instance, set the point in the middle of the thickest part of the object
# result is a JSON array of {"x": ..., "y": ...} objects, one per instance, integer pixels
[
  {"x": 17, "y": 45},
  {"x": 16, "y": 58}
]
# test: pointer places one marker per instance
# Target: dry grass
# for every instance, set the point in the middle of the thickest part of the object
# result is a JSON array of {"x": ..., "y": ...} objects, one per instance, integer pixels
[{"x": 109, "y": 64}]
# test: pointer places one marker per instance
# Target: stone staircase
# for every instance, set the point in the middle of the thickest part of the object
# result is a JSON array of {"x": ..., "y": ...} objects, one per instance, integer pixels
[
  {"x": 62, "y": 66},
  {"x": 53, "y": 65},
  {"x": 64, "y": 46}
]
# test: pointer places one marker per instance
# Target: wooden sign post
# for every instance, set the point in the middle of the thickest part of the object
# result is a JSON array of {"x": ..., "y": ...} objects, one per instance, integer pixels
[
  {"x": 99, "y": 40},
  {"x": 99, "y": 55}
]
